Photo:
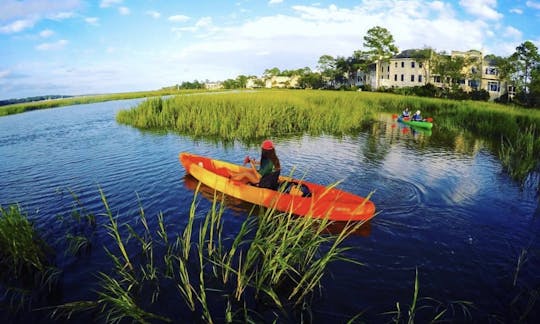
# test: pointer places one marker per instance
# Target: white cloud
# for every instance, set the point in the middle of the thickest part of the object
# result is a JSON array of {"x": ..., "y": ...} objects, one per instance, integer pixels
[
  {"x": 512, "y": 32},
  {"x": 92, "y": 20},
  {"x": 124, "y": 11},
  {"x": 153, "y": 14},
  {"x": 52, "y": 46},
  {"x": 17, "y": 26},
  {"x": 482, "y": 8},
  {"x": 272, "y": 2},
  {"x": 61, "y": 15},
  {"x": 179, "y": 18},
  {"x": 4, "y": 73},
  {"x": 16, "y": 9},
  {"x": 109, "y": 3},
  {"x": 533, "y": 4},
  {"x": 46, "y": 33},
  {"x": 516, "y": 11},
  {"x": 204, "y": 22}
]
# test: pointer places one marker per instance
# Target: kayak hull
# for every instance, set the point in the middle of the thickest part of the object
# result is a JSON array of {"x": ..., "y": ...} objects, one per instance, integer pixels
[
  {"x": 323, "y": 202},
  {"x": 419, "y": 124}
]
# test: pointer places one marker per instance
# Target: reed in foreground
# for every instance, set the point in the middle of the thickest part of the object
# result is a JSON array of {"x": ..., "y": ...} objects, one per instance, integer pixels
[
  {"x": 274, "y": 263},
  {"x": 26, "y": 269}
]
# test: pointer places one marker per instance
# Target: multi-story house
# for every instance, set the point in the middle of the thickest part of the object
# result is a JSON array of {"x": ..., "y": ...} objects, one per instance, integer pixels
[{"x": 412, "y": 68}]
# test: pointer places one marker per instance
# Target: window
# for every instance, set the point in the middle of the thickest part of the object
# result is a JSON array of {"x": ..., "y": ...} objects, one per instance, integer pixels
[
  {"x": 402, "y": 77},
  {"x": 395, "y": 64},
  {"x": 419, "y": 77},
  {"x": 395, "y": 76},
  {"x": 491, "y": 70},
  {"x": 412, "y": 77},
  {"x": 388, "y": 68},
  {"x": 420, "y": 65},
  {"x": 437, "y": 79},
  {"x": 473, "y": 84},
  {"x": 412, "y": 64},
  {"x": 493, "y": 86},
  {"x": 402, "y": 64}
]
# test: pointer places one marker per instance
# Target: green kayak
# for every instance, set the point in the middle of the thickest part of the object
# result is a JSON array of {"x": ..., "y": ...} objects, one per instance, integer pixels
[{"x": 414, "y": 123}]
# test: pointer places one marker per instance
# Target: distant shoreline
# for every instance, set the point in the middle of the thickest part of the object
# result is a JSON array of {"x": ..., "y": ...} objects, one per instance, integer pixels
[{"x": 59, "y": 101}]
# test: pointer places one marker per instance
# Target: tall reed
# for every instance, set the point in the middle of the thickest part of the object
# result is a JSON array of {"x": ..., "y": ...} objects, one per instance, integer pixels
[
  {"x": 251, "y": 116},
  {"x": 274, "y": 261},
  {"x": 26, "y": 261}
]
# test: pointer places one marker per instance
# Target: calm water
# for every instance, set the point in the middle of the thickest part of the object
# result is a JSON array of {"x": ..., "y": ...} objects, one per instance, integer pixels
[{"x": 446, "y": 206}]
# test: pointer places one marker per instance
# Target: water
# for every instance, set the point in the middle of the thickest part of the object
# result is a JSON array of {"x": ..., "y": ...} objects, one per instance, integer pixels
[{"x": 446, "y": 208}]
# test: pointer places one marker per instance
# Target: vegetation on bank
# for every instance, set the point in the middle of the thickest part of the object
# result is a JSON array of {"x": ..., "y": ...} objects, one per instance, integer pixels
[
  {"x": 280, "y": 113},
  {"x": 77, "y": 100}
]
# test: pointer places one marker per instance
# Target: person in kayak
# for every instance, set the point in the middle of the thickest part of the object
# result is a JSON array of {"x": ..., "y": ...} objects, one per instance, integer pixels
[
  {"x": 269, "y": 168},
  {"x": 417, "y": 116},
  {"x": 406, "y": 113}
]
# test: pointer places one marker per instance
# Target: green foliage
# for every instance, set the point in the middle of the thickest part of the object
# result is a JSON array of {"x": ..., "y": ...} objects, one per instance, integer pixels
[
  {"x": 21, "y": 249},
  {"x": 274, "y": 261},
  {"x": 380, "y": 44},
  {"x": 251, "y": 116},
  {"x": 45, "y": 104},
  {"x": 26, "y": 273}
]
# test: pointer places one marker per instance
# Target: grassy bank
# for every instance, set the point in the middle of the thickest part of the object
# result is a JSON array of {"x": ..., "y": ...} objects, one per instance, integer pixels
[
  {"x": 252, "y": 116},
  {"x": 78, "y": 100}
]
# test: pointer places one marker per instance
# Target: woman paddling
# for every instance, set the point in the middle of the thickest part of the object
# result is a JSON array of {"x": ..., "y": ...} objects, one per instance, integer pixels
[{"x": 269, "y": 168}]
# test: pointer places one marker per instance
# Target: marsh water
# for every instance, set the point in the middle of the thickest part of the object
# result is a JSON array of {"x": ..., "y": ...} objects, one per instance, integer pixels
[{"x": 445, "y": 206}]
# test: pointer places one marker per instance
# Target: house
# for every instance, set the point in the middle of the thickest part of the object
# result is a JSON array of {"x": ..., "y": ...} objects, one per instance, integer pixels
[
  {"x": 278, "y": 81},
  {"x": 213, "y": 85},
  {"x": 412, "y": 68}
]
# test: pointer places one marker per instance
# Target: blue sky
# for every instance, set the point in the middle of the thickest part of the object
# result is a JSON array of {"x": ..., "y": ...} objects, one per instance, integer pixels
[{"x": 74, "y": 47}]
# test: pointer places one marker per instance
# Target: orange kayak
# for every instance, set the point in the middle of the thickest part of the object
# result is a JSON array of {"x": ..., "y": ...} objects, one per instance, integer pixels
[{"x": 301, "y": 198}]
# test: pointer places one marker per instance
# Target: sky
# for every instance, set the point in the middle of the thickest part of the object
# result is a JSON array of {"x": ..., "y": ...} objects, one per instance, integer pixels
[{"x": 76, "y": 47}]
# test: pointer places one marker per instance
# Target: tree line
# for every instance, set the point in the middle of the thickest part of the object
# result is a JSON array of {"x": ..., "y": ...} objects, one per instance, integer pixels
[{"x": 30, "y": 99}]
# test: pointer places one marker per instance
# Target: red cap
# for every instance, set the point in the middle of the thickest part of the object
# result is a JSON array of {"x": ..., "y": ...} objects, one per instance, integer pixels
[{"x": 267, "y": 145}]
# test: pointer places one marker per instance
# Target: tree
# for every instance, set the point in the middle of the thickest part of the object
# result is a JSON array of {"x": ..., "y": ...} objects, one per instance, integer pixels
[
  {"x": 380, "y": 45},
  {"x": 241, "y": 81},
  {"x": 525, "y": 61},
  {"x": 327, "y": 66},
  {"x": 268, "y": 73}
]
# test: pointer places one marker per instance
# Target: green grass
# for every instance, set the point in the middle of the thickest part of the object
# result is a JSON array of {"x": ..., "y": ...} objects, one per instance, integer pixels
[
  {"x": 251, "y": 116},
  {"x": 274, "y": 261},
  {"x": 26, "y": 270},
  {"x": 87, "y": 99}
]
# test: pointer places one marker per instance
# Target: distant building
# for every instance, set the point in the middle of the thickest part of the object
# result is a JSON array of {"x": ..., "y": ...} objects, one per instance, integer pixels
[
  {"x": 282, "y": 82},
  {"x": 213, "y": 85},
  {"x": 411, "y": 68}
]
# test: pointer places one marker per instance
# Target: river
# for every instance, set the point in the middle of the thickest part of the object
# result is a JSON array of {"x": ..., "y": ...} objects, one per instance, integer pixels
[{"x": 445, "y": 206}]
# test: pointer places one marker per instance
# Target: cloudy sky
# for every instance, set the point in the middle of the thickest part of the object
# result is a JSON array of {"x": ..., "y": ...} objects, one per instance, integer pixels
[{"x": 73, "y": 47}]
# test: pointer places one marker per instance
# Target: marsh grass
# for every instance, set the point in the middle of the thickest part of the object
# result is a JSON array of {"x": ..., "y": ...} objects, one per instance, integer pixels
[
  {"x": 431, "y": 310},
  {"x": 253, "y": 115},
  {"x": 26, "y": 269},
  {"x": 270, "y": 267},
  {"x": 87, "y": 99},
  {"x": 521, "y": 155},
  {"x": 250, "y": 116}
]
